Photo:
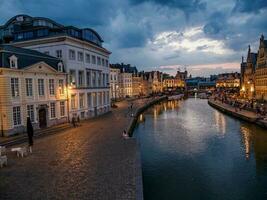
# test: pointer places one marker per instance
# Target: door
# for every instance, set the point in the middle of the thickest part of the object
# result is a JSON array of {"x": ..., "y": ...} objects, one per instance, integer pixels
[{"x": 42, "y": 118}]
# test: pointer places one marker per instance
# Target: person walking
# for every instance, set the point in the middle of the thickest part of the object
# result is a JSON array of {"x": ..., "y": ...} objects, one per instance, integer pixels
[
  {"x": 73, "y": 122},
  {"x": 30, "y": 133}
]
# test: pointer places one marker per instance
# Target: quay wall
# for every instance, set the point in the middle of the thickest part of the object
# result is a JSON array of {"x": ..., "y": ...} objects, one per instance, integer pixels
[
  {"x": 224, "y": 109},
  {"x": 140, "y": 110}
]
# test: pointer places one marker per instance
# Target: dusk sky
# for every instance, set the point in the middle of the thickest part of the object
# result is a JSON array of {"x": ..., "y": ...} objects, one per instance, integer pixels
[{"x": 206, "y": 36}]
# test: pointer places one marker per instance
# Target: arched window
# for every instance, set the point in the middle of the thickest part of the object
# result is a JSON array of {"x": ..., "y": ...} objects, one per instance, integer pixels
[
  {"x": 60, "y": 67},
  {"x": 13, "y": 61}
]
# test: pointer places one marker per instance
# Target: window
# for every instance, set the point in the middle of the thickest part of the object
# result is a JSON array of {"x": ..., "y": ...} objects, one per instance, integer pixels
[
  {"x": 81, "y": 100},
  {"x": 98, "y": 61},
  {"x": 94, "y": 79},
  {"x": 59, "y": 53},
  {"x": 71, "y": 54},
  {"x": 106, "y": 63},
  {"x": 72, "y": 76},
  {"x": 80, "y": 78},
  {"x": 88, "y": 78},
  {"x": 41, "y": 87},
  {"x": 15, "y": 87},
  {"x": 99, "y": 79},
  {"x": 89, "y": 100},
  {"x": 61, "y": 86},
  {"x": 51, "y": 87},
  {"x": 82, "y": 115},
  {"x": 80, "y": 56},
  {"x": 28, "y": 87},
  {"x": 73, "y": 101},
  {"x": 62, "y": 108},
  {"x": 16, "y": 116},
  {"x": 93, "y": 60},
  {"x": 87, "y": 58},
  {"x": 60, "y": 67},
  {"x": 30, "y": 112},
  {"x": 103, "y": 62},
  {"x": 107, "y": 78},
  {"x": 52, "y": 110},
  {"x": 13, "y": 62}
]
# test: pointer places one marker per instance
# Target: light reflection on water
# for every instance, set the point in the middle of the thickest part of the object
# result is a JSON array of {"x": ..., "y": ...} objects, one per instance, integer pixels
[{"x": 192, "y": 151}]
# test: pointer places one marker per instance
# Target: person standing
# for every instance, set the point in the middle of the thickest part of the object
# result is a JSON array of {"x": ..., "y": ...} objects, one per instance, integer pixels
[{"x": 30, "y": 133}]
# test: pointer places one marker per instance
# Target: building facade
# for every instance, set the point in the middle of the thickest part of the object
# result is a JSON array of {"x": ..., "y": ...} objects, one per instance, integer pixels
[
  {"x": 84, "y": 58},
  {"x": 32, "y": 85},
  {"x": 248, "y": 79},
  {"x": 261, "y": 71},
  {"x": 114, "y": 83},
  {"x": 228, "y": 81}
]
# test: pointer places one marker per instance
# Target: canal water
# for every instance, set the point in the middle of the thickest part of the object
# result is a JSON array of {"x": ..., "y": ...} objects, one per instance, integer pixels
[{"x": 189, "y": 150}]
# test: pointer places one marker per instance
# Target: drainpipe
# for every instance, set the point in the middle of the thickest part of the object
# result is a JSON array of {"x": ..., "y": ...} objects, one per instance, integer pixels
[{"x": 68, "y": 106}]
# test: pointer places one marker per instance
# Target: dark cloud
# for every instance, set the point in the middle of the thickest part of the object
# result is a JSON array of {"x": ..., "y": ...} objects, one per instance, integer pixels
[
  {"x": 129, "y": 27},
  {"x": 253, "y": 6},
  {"x": 185, "y": 5}
]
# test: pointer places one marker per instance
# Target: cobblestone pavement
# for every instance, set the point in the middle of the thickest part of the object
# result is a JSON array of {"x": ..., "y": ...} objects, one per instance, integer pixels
[{"x": 92, "y": 161}]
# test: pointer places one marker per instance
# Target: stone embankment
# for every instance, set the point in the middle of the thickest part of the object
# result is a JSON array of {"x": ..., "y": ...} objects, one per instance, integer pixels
[
  {"x": 241, "y": 114},
  {"x": 140, "y": 110}
]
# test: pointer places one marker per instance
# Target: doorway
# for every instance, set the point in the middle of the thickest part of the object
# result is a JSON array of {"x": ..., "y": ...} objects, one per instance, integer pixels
[{"x": 42, "y": 118}]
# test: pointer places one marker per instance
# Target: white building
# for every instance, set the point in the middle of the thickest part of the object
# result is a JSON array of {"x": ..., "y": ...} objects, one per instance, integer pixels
[
  {"x": 84, "y": 58},
  {"x": 126, "y": 84},
  {"x": 114, "y": 83},
  {"x": 31, "y": 84}
]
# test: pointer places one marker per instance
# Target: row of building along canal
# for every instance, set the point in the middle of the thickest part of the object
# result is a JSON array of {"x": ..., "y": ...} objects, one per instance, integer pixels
[{"x": 190, "y": 150}]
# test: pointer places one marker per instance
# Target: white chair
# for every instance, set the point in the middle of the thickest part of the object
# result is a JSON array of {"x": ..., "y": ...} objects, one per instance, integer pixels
[
  {"x": 20, "y": 151},
  {"x": 3, "y": 161}
]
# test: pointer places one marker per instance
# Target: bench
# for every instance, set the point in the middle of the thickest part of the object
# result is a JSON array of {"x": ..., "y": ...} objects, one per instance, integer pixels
[
  {"x": 20, "y": 151},
  {"x": 3, "y": 161}
]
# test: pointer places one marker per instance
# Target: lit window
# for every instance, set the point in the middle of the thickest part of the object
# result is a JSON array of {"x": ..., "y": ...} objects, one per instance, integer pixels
[
  {"x": 51, "y": 87},
  {"x": 61, "y": 86},
  {"x": 81, "y": 100},
  {"x": 62, "y": 108},
  {"x": 73, "y": 101}
]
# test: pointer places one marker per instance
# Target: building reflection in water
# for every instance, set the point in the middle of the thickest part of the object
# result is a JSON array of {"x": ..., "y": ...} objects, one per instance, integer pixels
[
  {"x": 220, "y": 122},
  {"x": 254, "y": 139},
  {"x": 246, "y": 138}
]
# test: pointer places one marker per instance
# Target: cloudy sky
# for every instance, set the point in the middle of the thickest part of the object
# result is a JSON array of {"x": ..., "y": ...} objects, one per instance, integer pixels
[{"x": 205, "y": 36}]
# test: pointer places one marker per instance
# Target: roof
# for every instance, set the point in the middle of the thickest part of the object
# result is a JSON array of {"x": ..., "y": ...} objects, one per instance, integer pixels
[
  {"x": 26, "y": 57},
  {"x": 25, "y": 23},
  {"x": 124, "y": 68}
]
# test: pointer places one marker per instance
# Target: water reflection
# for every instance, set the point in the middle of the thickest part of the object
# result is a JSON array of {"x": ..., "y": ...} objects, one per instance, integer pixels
[
  {"x": 246, "y": 134},
  {"x": 184, "y": 155},
  {"x": 220, "y": 122}
]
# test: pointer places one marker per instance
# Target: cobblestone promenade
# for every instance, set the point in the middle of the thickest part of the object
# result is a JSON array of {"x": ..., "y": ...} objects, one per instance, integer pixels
[{"x": 92, "y": 161}]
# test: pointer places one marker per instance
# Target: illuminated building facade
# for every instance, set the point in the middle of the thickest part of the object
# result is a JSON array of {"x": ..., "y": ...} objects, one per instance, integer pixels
[
  {"x": 261, "y": 71},
  {"x": 228, "y": 81},
  {"x": 85, "y": 59},
  {"x": 31, "y": 84}
]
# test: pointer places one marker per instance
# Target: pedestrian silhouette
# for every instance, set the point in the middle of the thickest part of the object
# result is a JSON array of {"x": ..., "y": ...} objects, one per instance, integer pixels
[{"x": 30, "y": 133}]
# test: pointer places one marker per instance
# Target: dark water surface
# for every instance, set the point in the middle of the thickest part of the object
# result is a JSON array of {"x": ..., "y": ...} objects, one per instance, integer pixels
[{"x": 192, "y": 151}]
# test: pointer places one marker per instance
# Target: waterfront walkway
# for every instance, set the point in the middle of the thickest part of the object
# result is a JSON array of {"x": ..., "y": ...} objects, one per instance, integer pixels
[
  {"x": 91, "y": 161},
  {"x": 242, "y": 114}
]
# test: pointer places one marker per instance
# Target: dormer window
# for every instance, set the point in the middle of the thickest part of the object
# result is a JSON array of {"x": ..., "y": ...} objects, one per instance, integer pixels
[
  {"x": 60, "y": 67},
  {"x": 13, "y": 62}
]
